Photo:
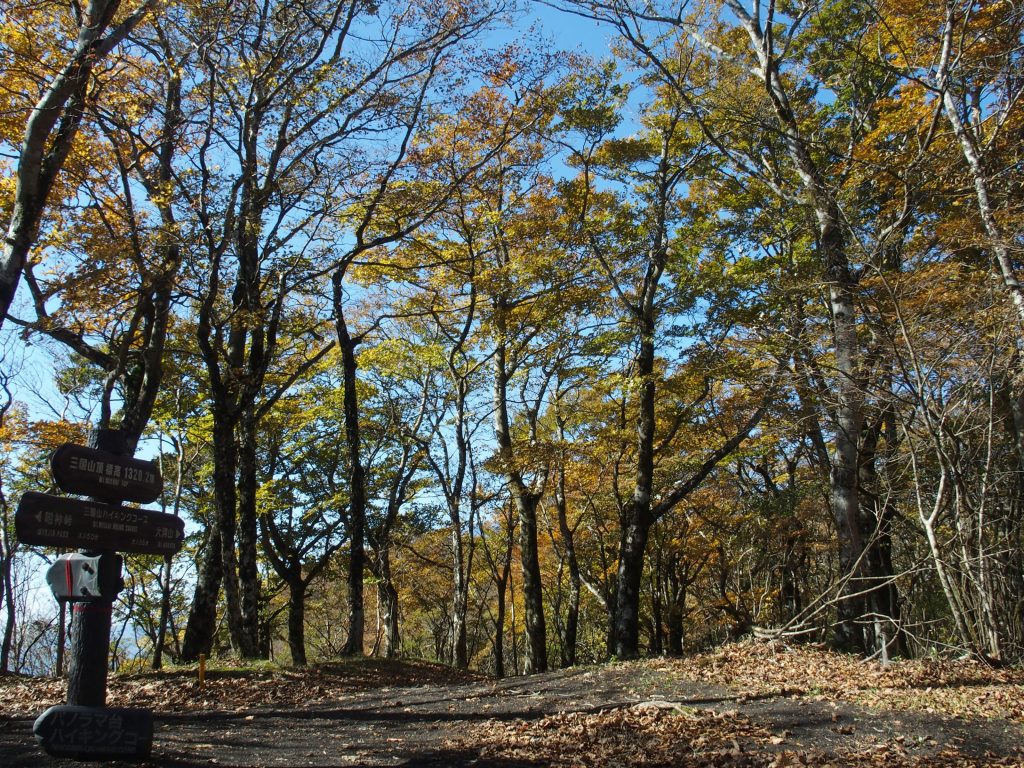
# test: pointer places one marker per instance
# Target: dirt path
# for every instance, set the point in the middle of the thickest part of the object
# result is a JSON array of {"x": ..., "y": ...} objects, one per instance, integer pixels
[{"x": 435, "y": 724}]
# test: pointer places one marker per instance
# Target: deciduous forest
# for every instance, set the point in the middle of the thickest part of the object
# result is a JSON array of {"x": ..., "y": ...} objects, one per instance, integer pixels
[{"x": 457, "y": 338}]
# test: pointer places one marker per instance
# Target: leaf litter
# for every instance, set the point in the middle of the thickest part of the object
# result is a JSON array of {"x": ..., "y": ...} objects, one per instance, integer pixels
[
  {"x": 657, "y": 732},
  {"x": 664, "y": 735}
]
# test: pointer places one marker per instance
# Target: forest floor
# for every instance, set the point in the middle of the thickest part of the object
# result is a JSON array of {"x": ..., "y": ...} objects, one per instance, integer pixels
[{"x": 744, "y": 705}]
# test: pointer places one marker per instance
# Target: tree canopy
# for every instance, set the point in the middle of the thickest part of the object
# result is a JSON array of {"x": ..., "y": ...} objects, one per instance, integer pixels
[{"x": 562, "y": 354}]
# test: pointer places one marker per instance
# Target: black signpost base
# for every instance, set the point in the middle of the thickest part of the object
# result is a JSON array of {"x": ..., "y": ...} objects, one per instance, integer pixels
[
  {"x": 90, "y": 648},
  {"x": 94, "y": 733}
]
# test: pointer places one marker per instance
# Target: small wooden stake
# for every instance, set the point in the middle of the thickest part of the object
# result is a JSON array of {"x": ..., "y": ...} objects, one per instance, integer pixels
[{"x": 202, "y": 669}]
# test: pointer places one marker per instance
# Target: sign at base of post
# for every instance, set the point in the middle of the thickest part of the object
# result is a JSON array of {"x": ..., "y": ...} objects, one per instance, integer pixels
[{"x": 95, "y": 733}]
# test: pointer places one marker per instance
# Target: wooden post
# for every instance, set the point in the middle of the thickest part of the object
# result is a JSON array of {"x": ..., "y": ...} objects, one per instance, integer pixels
[
  {"x": 90, "y": 638},
  {"x": 90, "y": 648}
]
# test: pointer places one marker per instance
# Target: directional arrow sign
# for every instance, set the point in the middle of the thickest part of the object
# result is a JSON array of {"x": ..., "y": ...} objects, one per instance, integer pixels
[
  {"x": 58, "y": 521},
  {"x": 92, "y": 472}
]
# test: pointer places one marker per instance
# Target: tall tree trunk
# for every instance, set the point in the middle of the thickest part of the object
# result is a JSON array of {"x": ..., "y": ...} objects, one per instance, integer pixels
[
  {"x": 460, "y": 598},
  {"x": 202, "y": 616},
  {"x": 676, "y": 612},
  {"x": 225, "y": 464},
  {"x": 533, "y": 595},
  {"x": 297, "y": 617},
  {"x": 165, "y": 612},
  {"x": 248, "y": 533},
  {"x": 387, "y": 608},
  {"x": 635, "y": 518},
  {"x": 499, "y": 618},
  {"x": 572, "y": 613},
  {"x": 357, "y": 474},
  {"x": 849, "y": 633},
  {"x": 8, "y": 597},
  {"x": 626, "y": 621},
  {"x": 831, "y": 245},
  {"x": 526, "y": 503},
  {"x": 460, "y": 573}
]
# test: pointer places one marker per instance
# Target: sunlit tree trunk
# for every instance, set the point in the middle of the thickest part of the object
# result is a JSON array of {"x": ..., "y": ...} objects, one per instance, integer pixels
[
  {"x": 297, "y": 619},
  {"x": 165, "y": 613},
  {"x": 460, "y": 595},
  {"x": 572, "y": 614},
  {"x": 248, "y": 534},
  {"x": 6, "y": 575},
  {"x": 501, "y": 574},
  {"x": 635, "y": 518},
  {"x": 387, "y": 608},
  {"x": 225, "y": 463},
  {"x": 676, "y": 614},
  {"x": 526, "y": 503},
  {"x": 356, "y": 473},
  {"x": 202, "y": 615},
  {"x": 841, "y": 287}
]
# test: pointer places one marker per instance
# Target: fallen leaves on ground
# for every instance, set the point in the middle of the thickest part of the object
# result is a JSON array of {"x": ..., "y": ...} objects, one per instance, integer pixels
[
  {"x": 656, "y": 733},
  {"x": 961, "y": 687},
  {"x": 652, "y": 736},
  {"x": 234, "y": 689},
  {"x": 642, "y": 735}
]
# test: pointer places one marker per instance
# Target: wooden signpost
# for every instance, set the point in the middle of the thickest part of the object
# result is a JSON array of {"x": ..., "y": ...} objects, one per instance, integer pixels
[
  {"x": 84, "y": 728},
  {"x": 58, "y": 521},
  {"x": 103, "y": 475}
]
